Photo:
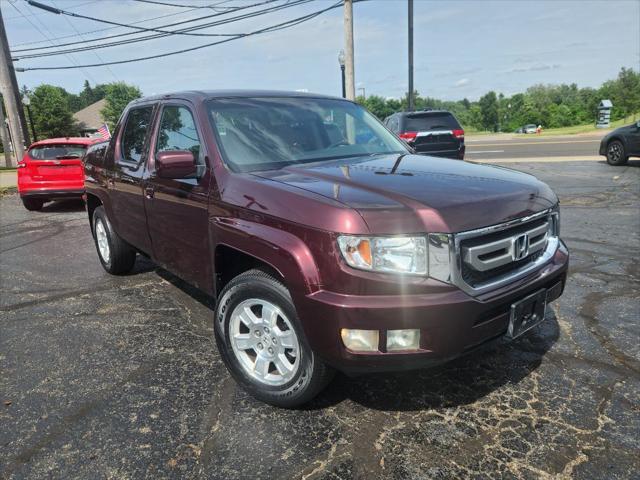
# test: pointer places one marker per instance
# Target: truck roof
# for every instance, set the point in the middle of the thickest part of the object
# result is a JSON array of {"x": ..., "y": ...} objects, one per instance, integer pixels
[{"x": 199, "y": 95}]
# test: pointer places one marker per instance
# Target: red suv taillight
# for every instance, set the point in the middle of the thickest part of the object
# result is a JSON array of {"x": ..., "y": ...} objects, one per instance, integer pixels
[
  {"x": 458, "y": 133},
  {"x": 409, "y": 136}
]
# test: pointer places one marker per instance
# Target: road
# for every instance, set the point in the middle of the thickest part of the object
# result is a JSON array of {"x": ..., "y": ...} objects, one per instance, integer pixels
[
  {"x": 516, "y": 148},
  {"x": 107, "y": 377}
]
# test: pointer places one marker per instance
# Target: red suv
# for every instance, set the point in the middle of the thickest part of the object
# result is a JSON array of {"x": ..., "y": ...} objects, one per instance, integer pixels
[{"x": 52, "y": 169}]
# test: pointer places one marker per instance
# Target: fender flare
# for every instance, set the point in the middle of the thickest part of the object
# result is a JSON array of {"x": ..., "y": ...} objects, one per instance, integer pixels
[{"x": 286, "y": 253}]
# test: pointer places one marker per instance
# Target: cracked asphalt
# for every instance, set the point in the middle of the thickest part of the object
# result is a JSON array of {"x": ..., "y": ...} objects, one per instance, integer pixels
[{"x": 104, "y": 377}]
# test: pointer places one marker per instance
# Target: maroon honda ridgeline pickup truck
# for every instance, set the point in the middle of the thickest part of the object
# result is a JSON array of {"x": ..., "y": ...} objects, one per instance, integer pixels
[{"x": 326, "y": 242}]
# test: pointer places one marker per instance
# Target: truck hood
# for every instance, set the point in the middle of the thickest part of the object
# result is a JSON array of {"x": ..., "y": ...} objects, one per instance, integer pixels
[{"x": 413, "y": 193}]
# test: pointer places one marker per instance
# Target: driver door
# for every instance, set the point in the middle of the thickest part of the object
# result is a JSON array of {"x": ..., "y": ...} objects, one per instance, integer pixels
[{"x": 177, "y": 208}]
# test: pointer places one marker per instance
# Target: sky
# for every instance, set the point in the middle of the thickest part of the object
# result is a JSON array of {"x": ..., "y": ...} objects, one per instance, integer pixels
[{"x": 462, "y": 48}]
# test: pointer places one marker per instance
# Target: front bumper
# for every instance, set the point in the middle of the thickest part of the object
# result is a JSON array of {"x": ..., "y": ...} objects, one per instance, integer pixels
[{"x": 450, "y": 323}]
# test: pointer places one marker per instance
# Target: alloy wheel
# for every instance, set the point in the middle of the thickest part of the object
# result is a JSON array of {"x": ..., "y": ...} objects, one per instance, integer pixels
[
  {"x": 102, "y": 240},
  {"x": 264, "y": 342},
  {"x": 615, "y": 152}
]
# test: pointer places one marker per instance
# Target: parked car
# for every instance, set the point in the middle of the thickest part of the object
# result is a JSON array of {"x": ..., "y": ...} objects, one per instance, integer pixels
[
  {"x": 326, "y": 242},
  {"x": 52, "y": 170},
  {"x": 429, "y": 132},
  {"x": 531, "y": 128},
  {"x": 519, "y": 130},
  {"x": 620, "y": 144}
]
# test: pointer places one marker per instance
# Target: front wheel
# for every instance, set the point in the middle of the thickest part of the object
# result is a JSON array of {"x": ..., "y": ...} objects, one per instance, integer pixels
[
  {"x": 116, "y": 256},
  {"x": 262, "y": 344},
  {"x": 616, "y": 154}
]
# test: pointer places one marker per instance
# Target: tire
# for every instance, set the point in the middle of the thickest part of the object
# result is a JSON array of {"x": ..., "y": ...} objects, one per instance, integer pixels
[
  {"x": 116, "y": 256},
  {"x": 33, "y": 204},
  {"x": 616, "y": 154},
  {"x": 293, "y": 374}
]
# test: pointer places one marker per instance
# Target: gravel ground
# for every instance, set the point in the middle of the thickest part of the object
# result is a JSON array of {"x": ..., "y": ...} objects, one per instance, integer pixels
[{"x": 104, "y": 377}]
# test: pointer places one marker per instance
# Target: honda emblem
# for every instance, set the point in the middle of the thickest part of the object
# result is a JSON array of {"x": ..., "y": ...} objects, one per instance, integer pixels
[{"x": 520, "y": 247}]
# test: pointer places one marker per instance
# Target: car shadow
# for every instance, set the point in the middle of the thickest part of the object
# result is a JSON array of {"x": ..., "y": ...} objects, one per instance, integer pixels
[
  {"x": 60, "y": 206},
  {"x": 460, "y": 382},
  {"x": 630, "y": 163}
]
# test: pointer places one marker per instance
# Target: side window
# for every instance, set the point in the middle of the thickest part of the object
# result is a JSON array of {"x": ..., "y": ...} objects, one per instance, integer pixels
[
  {"x": 178, "y": 132},
  {"x": 395, "y": 124},
  {"x": 135, "y": 133}
]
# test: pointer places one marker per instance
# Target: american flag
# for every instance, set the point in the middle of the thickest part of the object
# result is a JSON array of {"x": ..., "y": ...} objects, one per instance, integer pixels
[{"x": 104, "y": 131}]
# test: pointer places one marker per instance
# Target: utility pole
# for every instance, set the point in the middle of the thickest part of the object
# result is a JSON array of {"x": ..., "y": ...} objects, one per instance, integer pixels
[
  {"x": 410, "y": 99},
  {"x": 11, "y": 94},
  {"x": 350, "y": 82},
  {"x": 4, "y": 136}
]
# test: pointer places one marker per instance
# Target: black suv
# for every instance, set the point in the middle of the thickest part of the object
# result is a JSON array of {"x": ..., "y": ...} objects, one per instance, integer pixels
[{"x": 429, "y": 132}]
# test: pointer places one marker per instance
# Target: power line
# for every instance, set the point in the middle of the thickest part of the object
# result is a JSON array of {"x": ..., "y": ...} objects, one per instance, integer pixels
[
  {"x": 69, "y": 57},
  {"x": 101, "y": 29},
  {"x": 161, "y": 35},
  {"x": 77, "y": 5},
  {"x": 280, "y": 26},
  {"x": 95, "y": 53},
  {"x": 167, "y": 4},
  {"x": 240, "y": 17},
  {"x": 48, "y": 8}
]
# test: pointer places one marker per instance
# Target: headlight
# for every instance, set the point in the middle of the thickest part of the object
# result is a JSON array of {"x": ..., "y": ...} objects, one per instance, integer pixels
[{"x": 385, "y": 254}]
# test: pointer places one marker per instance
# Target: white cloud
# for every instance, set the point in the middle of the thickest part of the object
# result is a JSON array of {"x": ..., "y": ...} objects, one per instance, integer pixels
[{"x": 462, "y": 82}]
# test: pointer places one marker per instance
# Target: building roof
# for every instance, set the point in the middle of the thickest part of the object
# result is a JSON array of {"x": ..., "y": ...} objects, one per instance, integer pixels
[
  {"x": 89, "y": 118},
  {"x": 605, "y": 104}
]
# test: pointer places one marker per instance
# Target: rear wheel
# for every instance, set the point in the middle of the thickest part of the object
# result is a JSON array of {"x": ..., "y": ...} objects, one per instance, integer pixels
[
  {"x": 262, "y": 344},
  {"x": 116, "y": 255},
  {"x": 33, "y": 204},
  {"x": 616, "y": 154}
]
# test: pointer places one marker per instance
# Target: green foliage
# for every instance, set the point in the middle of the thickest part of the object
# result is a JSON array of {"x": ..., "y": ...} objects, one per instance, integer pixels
[
  {"x": 551, "y": 106},
  {"x": 52, "y": 115},
  {"x": 118, "y": 96},
  {"x": 489, "y": 111}
]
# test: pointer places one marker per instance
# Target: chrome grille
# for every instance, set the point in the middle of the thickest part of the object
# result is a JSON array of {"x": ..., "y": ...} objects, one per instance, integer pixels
[{"x": 493, "y": 256}]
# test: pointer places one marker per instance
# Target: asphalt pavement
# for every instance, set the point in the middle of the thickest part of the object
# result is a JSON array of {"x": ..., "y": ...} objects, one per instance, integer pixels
[
  {"x": 529, "y": 147},
  {"x": 116, "y": 378}
]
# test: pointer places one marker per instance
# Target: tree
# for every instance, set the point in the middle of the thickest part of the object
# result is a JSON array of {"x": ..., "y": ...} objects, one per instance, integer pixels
[
  {"x": 52, "y": 116},
  {"x": 118, "y": 95},
  {"x": 627, "y": 92},
  {"x": 489, "y": 111}
]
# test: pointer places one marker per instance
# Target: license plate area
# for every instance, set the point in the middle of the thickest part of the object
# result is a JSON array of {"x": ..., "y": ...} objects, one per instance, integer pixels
[{"x": 527, "y": 313}]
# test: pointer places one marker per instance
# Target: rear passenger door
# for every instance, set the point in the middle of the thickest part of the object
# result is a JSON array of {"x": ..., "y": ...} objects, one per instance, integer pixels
[
  {"x": 130, "y": 153},
  {"x": 177, "y": 209}
]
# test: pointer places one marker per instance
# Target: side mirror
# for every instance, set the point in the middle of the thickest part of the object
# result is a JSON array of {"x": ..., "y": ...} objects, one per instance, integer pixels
[{"x": 176, "y": 164}]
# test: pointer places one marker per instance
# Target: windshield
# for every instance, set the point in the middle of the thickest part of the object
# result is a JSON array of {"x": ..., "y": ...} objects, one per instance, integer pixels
[
  {"x": 56, "y": 152},
  {"x": 271, "y": 133},
  {"x": 421, "y": 122}
]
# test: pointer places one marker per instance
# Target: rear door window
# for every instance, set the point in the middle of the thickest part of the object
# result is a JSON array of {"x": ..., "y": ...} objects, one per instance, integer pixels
[
  {"x": 424, "y": 122},
  {"x": 57, "y": 152},
  {"x": 134, "y": 135}
]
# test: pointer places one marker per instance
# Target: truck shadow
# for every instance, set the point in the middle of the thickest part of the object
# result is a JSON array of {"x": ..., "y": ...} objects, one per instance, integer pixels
[
  {"x": 60, "y": 206},
  {"x": 460, "y": 382}
]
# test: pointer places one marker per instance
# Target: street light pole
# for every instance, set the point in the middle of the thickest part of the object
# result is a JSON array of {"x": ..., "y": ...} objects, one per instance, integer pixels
[
  {"x": 26, "y": 101},
  {"x": 341, "y": 63},
  {"x": 410, "y": 99}
]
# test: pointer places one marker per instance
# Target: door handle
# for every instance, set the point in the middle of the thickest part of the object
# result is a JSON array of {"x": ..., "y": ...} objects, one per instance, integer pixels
[{"x": 148, "y": 192}]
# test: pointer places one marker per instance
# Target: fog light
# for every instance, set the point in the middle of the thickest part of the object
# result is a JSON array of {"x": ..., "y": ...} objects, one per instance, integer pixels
[
  {"x": 403, "y": 340},
  {"x": 360, "y": 340}
]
